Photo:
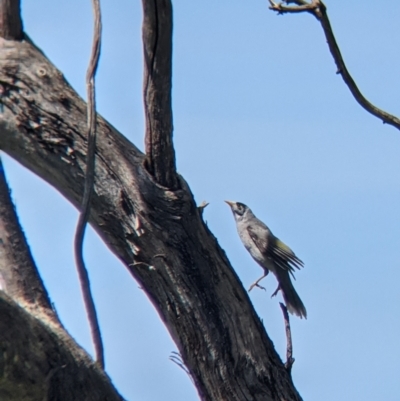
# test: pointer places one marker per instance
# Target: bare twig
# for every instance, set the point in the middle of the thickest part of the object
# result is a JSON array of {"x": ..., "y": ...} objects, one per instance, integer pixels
[
  {"x": 318, "y": 9},
  {"x": 289, "y": 348},
  {"x": 157, "y": 45},
  {"x": 88, "y": 188},
  {"x": 298, "y": 2},
  {"x": 347, "y": 78},
  {"x": 302, "y": 6},
  {"x": 10, "y": 20}
]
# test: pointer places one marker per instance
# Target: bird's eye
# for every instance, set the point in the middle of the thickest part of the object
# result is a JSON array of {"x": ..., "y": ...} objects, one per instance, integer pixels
[{"x": 240, "y": 208}]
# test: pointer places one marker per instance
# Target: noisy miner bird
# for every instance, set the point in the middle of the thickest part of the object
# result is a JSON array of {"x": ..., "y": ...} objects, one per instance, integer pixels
[{"x": 270, "y": 253}]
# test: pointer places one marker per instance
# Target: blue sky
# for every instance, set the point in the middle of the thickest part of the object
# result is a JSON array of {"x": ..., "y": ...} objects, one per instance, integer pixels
[{"x": 260, "y": 117}]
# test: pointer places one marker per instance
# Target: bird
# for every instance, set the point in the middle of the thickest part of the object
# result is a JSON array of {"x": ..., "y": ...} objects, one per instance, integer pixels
[{"x": 271, "y": 254}]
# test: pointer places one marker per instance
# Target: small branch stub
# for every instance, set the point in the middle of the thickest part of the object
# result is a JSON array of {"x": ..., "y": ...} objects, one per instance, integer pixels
[{"x": 202, "y": 206}]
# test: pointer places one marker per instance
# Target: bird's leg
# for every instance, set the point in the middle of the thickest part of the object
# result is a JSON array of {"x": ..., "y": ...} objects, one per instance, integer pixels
[
  {"x": 276, "y": 291},
  {"x": 255, "y": 284}
]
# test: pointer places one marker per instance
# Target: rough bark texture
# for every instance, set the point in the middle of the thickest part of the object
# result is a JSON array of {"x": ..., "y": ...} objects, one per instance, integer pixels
[
  {"x": 10, "y": 20},
  {"x": 19, "y": 277},
  {"x": 157, "y": 43},
  {"x": 157, "y": 233},
  {"x": 38, "y": 358},
  {"x": 40, "y": 362}
]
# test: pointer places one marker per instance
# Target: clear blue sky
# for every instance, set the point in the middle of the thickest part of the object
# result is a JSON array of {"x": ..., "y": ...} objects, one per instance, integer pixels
[{"x": 261, "y": 117}]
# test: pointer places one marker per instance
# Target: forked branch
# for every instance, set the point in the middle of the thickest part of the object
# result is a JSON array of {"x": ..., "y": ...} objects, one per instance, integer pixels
[{"x": 318, "y": 9}]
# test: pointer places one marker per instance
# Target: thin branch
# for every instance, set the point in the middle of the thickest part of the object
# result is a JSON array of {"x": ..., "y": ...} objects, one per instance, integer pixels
[
  {"x": 302, "y": 6},
  {"x": 19, "y": 277},
  {"x": 157, "y": 46},
  {"x": 88, "y": 189},
  {"x": 347, "y": 78},
  {"x": 318, "y": 9},
  {"x": 289, "y": 347},
  {"x": 10, "y": 20},
  {"x": 298, "y": 2}
]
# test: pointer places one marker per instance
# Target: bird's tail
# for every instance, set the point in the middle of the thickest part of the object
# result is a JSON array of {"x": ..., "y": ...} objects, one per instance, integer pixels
[{"x": 293, "y": 302}]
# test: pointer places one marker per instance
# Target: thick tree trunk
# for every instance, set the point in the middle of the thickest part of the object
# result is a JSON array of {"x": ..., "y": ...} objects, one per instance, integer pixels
[{"x": 157, "y": 232}]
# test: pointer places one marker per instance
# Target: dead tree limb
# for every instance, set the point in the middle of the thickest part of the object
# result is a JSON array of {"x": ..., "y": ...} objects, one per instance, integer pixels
[
  {"x": 40, "y": 361},
  {"x": 10, "y": 20},
  {"x": 193, "y": 287},
  {"x": 318, "y": 9},
  {"x": 289, "y": 345},
  {"x": 157, "y": 46},
  {"x": 145, "y": 213},
  {"x": 19, "y": 277}
]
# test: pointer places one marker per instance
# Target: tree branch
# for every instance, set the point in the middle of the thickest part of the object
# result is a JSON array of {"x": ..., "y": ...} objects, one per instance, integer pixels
[
  {"x": 88, "y": 188},
  {"x": 318, "y": 9},
  {"x": 157, "y": 46},
  {"x": 302, "y": 6},
  {"x": 289, "y": 346},
  {"x": 19, "y": 277},
  {"x": 10, "y": 20},
  {"x": 157, "y": 233},
  {"x": 41, "y": 362}
]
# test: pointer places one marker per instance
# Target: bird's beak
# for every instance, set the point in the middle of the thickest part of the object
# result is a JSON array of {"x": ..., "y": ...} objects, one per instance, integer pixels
[{"x": 230, "y": 203}]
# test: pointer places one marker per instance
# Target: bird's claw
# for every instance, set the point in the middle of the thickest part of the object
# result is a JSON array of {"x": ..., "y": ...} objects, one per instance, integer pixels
[
  {"x": 276, "y": 291},
  {"x": 257, "y": 285}
]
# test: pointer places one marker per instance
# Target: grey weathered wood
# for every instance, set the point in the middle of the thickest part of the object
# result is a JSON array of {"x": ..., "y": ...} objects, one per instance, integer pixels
[
  {"x": 157, "y": 233},
  {"x": 157, "y": 47}
]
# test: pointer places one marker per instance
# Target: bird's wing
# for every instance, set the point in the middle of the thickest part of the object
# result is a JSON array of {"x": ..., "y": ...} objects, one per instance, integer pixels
[
  {"x": 274, "y": 249},
  {"x": 281, "y": 250}
]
